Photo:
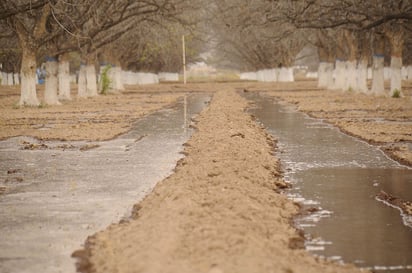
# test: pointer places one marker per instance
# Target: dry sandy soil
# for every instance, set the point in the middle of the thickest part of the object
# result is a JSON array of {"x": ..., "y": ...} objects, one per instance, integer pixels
[
  {"x": 98, "y": 118},
  {"x": 221, "y": 210}
]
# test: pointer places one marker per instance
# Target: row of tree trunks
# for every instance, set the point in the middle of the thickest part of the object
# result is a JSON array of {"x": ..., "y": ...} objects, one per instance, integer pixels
[
  {"x": 9, "y": 78},
  {"x": 350, "y": 72},
  {"x": 57, "y": 85}
]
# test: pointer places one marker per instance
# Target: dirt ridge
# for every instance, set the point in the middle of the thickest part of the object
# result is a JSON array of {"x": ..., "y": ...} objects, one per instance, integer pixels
[{"x": 219, "y": 212}]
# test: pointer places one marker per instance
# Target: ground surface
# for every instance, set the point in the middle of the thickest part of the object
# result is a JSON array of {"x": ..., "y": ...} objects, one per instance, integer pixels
[
  {"x": 383, "y": 121},
  {"x": 220, "y": 211},
  {"x": 99, "y": 118}
]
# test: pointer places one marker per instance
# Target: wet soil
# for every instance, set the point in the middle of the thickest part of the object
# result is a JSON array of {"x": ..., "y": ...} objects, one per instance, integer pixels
[
  {"x": 221, "y": 211},
  {"x": 382, "y": 121},
  {"x": 56, "y": 193},
  {"x": 336, "y": 177}
]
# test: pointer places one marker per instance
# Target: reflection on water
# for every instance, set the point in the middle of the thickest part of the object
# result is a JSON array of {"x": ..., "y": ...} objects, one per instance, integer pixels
[
  {"x": 56, "y": 197},
  {"x": 340, "y": 176}
]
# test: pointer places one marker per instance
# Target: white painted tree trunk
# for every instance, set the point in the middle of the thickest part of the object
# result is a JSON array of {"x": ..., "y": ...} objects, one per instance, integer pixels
[
  {"x": 329, "y": 75},
  {"x": 118, "y": 78},
  {"x": 386, "y": 73},
  {"x": 82, "y": 84},
  {"x": 362, "y": 78},
  {"x": 369, "y": 73},
  {"x": 404, "y": 73},
  {"x": 50, "y": 93},
  {"x": 28, "y": 94},
  {"x": 64, "y": 80},
  {"x": 248, "y": 76},
  {"x": 16, "y": 78},
  {"x": 10, "y": 79},
  {"x": 322, "y": 74},
  {"x": 351, "y": 83},
  {"x": 396, "y": 75},
  {"x": 409, "y": 72},
  {"x": 286, "y": 75},
  {"x": 378, "y": 82},
  {"x": 260, "y": 76},
  {"x": 340, "y": 75},
  {"x": 266, "y": 75},
  {"x": 112, "y": 76},
  {"x": 91, "y": 81},
  {"x": 73, "y": 79},
  {"x": 3, "y": 78}
]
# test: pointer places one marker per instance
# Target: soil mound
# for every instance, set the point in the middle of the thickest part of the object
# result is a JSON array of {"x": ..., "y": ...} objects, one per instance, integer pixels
[{"x": 220, "y": 211}]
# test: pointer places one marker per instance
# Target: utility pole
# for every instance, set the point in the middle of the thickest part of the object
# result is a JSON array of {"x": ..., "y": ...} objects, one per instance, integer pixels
[{"x": 184, "y": 59}]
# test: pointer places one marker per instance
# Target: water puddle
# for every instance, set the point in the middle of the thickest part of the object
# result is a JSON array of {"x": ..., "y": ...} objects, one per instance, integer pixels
[
  {"x": 57, "y": 193},
  {"x": 337, "y": 178}
]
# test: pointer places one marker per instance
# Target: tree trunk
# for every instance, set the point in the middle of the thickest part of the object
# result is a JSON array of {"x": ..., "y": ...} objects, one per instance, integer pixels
[
  {"x": 340, "y": 75},
  {"x": 268, "y": 75},
  {"x": 378, "y": 75},
  {"x": 396, "y": 75},
  {"x": 118, "y": 79},
  {"x": 351, "y": 76},
  {"x": 322, "y": 74},
  {"x": 329, "y": 76},
  {"x": 340, "y": 61},
  {"x": 404, "y": 73},
  {"x": 91, "y": 81},
  {"x": 28, "y": 78},
  {"x": 16, "y": 78},
  {"x": 396, "y": 38},
  {"x": 112, "y": 76},
  {"x": 325, "y": 75},
  {"x": 350, "y": 65},
  {"x": 50, "y": 94},
  {"x": 64, "y": 78},
  {"x": 82, "y": 84},
  {"x": 362, "y": 78},
  {"x": 409, "y": 71},
  {"x": 10, "y": 78},
  {"x": 327, "y": 55},
  {"x": 286, "y": 74},
  {"x": 364, "y": 73},
  {"x": 3, "y": 78}
]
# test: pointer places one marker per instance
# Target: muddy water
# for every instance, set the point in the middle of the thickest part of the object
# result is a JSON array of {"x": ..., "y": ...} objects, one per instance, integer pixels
[
  {"x": 58, "y": 193},
  {"x": 340, "y": 177}
]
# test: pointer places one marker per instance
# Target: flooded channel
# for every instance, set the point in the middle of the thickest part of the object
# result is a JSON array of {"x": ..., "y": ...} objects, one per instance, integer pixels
[
  {"x": 58, "y": 193},
  {"x": 339, "y": 176}
]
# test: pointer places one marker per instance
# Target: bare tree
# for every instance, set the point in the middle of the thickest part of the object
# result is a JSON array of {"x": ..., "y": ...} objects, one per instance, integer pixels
[
  {"x": 246, "y": 38},
  {"x": 360, "y": 18},
  {"x": 58, "y": 27}
]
